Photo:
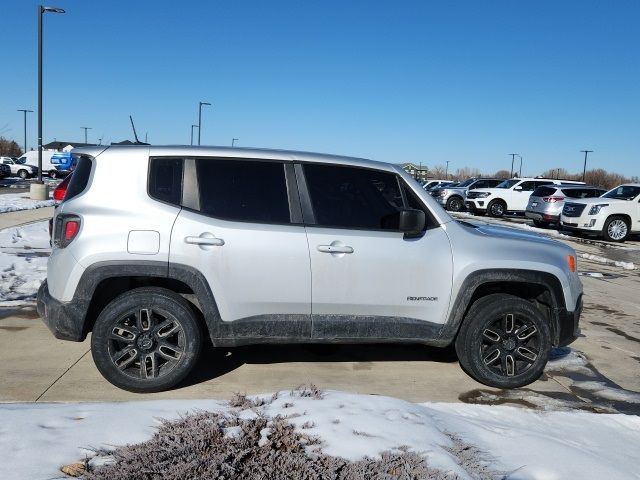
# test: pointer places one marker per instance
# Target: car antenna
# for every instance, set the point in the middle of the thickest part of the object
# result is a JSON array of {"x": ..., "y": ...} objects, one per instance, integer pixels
[{"x": 134, "y": 129}]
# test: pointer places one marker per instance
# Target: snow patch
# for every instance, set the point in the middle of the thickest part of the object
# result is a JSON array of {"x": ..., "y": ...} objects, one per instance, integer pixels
[
  {"x": 606, "y": 261},
  {"x": 13, "y": 202}
]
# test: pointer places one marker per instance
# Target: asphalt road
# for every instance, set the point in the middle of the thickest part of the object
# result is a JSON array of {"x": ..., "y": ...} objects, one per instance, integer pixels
[{"x": 36, "y": 367}]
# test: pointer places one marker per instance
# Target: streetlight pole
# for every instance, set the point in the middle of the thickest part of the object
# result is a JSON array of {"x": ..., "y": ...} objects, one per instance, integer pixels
[
  {"x": 41, "y": 10},
  {"x": 513, "y": 155},
  {"x": 85, "y": 132},
  {"x": 192, "y": 126},
  {"x": 584, "y": 169},
  {"x": 200, "y": 119},
  {"x": 520, "y": 171},
  {"x": 25, "y": 126},
  {"x": 446, "y": 172},
  {"x": 233, "y": 141}
]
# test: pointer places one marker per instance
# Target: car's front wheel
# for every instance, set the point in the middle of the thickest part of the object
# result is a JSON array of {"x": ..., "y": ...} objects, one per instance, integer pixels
[
  {"x": 616, "y": 229},
  {"x": 497, "y": 208},
  {"x": 504, "y": 341},
  {"x": 23, "y": 174},
  {"x": 53, "y": 174},
  {"x": 146, "y": 340},
  {"x": 455, "y": 204}
]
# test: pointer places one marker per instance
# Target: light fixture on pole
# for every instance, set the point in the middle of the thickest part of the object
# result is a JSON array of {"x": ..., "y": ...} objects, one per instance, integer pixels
[
  {"x": 200, "y": 119},
  {"x": 85, "y": 132},
  {"x": 41, "y": 191},
  {"x": 192, "y": 127},
  {"x": 25, "y": 126},
  {"x": 584, "y": 169}
]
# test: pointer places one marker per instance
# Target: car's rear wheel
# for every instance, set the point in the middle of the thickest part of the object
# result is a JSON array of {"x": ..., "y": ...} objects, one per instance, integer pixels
[
  {"x": 146, "y": 340},
  {"x": 455, "y": 204},
  {"x": 504, "y": 341},
  {"x": 616, "y": 229},
  {"x": 497, "y": 208}
]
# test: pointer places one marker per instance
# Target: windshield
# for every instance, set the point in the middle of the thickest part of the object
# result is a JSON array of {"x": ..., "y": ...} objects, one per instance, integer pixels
[
  {"x": 466, "y": 183},
  {"x": 21, "y": 160},
  {"x": 623, "y": 192},
  {"x": 507, "y": 183}
]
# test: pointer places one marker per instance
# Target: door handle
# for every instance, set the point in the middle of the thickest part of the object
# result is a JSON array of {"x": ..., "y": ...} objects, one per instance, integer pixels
[
  {"x": 335, "y": 249},
  {"x": 205, "y": 239}
]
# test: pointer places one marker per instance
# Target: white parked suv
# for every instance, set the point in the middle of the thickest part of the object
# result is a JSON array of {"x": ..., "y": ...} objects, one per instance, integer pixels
[
  {"x": 509, "y": 196},
  {"x": 19, "y": 167},
  {"x": 614, "y": 216},
  {"x": 247, "y": 246}
]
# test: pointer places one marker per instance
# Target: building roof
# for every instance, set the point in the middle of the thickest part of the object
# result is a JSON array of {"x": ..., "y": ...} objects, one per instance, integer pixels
[{"x": 58, "y": 145}]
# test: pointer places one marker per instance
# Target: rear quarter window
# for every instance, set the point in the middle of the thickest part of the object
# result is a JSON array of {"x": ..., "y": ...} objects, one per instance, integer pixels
[
  {"x": 543, "y": 192},
  {"x": 165, "y": 179},
  {"x": 79, "y": 177}
]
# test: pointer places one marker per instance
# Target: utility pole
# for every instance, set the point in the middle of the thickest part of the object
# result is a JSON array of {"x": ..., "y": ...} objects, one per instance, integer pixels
[
  {"x": 520, "y": 171},
  {"x": 200, "y": 119},
  {"x": 584, "y": 170},
  {"x": 513, "y": 155},
  {"x": 25, "y": 126},
  {"x": 192, "y": 127},
  {"x": 446, "y": 172},
  {"x": 85, "y": 132},
  {"x": 233, "y": 141}
]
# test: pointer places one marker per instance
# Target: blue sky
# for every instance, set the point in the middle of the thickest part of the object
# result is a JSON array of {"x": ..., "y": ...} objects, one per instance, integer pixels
[{"x": 422, "y": 81}]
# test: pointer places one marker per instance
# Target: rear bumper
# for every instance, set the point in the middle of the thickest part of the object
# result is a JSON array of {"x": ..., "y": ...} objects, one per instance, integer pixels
[
  {"x": 65, "y": 320},
  {"x": 568, "y": 325},
  {"x": 541, "y": 217}
]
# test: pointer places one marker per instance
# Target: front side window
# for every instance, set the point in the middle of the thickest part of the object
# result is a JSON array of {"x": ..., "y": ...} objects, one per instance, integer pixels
[
  {"x": 243, "y": 190},
  {"x": 623, "y": 192},
  {"x": 354, "y": 197},
  {"x": 507, "y": 183}
]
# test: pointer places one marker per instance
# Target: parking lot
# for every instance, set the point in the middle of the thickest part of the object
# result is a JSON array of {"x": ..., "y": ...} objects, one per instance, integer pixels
[{"x": 598, "y": 372}]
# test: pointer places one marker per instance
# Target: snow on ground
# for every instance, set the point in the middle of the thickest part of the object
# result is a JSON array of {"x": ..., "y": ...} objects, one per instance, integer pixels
[
  {"x": 12, "y": 202},
  {"x": 606, "y": 261},
  {"x": 23, "y": 262},
  {"x": 37, "y": 439}
]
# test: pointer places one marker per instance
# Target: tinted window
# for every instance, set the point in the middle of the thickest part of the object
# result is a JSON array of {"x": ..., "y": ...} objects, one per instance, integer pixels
[
  {"x": 243, "y": 190},
  {"x": 581, "y": 192},
  {"x": 165, "y": 179},
  {"x": 543, "y": 192},
  {"x": 354, "y": 197},
  {"x": 79, "y": 178},
  {"x": 414, "y": 202}
]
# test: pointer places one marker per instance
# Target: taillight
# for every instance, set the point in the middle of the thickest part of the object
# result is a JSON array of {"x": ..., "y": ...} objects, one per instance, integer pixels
[
  {"x": 552, "y": 199},
  {"x": 66, "y": 229},
  {"x": 61, "y": 190}
]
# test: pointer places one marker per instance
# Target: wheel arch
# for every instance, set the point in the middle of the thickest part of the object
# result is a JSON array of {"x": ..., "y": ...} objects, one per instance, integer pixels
[{"x": 543, "y": 289}]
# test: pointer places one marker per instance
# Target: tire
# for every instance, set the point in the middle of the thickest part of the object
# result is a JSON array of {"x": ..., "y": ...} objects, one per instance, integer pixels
[
  {"x": 53, "y": 174},
  {"x": 491, "y": 350},
  {"x": 23, "y": 174},
  {"x": 540, "y": 224},
  {"x": 616, "y": 229},
  {"x": 496, "y": 208},
  {"x": 455, "y": 204},
  {"x": 146, "y": 340}
]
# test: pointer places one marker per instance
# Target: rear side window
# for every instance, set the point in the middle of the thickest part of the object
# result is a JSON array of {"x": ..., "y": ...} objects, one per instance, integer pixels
[
  {"x": 79, "y": 177},
  {"x": 354, "y": 197},
  {"x": 165, "y": 179},
  {"x": 243, "y": 190},
  {"x": 543, "y": 192}
]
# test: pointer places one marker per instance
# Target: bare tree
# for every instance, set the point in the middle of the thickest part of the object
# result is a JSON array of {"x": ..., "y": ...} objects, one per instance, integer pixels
[
  {"x": 439, "y": 171},
  {"x": 502, "y": 174},
  {"x": 9, "y": 148}
]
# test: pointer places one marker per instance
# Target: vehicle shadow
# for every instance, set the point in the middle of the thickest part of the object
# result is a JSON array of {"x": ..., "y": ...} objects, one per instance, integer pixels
[{"x": 215, "y": 362}]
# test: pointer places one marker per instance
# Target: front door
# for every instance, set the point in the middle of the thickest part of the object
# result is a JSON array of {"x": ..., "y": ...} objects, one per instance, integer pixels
[
  {"x": 368, "y": 280},
  {"x": 240, "y": 235}
]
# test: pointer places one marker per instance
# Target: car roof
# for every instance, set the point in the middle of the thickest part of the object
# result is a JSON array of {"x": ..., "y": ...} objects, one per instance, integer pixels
[{"x": 237, "y": 152}]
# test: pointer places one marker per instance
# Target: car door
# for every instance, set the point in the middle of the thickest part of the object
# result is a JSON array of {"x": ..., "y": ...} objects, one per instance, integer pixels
[
  {"x": 369, "y": 280},
  {"x": 242, "y": 229},
  {"x": 520, "y": 196}
]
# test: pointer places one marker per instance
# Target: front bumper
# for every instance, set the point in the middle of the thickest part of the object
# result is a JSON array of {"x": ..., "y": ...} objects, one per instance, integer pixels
[
  {"x": 568, "y": 325},
  {"x": 476, "y": 205},
  {"x": 65, "y": 320}
]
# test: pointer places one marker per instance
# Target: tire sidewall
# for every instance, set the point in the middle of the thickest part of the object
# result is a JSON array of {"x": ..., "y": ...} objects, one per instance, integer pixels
[
  {"x": 468, "y": 343},
  {"x": 23, "y": 174},
  {"x": 454, "y": 202},
  {"x": 605, "y": 230},
  {"x": 138, "y": 298},
  {"x": 492, "y": 204}
]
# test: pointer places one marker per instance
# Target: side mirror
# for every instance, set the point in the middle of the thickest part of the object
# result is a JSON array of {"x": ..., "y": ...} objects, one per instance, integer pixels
[
  {"x": 518, "y": 188},
  {"x": 411, "y": 221}
]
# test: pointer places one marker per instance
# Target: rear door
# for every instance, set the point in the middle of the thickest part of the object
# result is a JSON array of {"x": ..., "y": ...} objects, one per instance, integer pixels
[
  {"x": 368, "y": 279},
  {"x": 242, "y": 228}
]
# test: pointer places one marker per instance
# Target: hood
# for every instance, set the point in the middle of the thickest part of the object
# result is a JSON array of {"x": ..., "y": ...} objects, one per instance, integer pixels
[{"x": 513, "y": 233}]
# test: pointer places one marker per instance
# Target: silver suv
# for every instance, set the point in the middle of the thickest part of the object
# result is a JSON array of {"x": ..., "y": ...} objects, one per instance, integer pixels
[
  {"x": 249, "y": 246},
  {"x": 452, "y": 197}
]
